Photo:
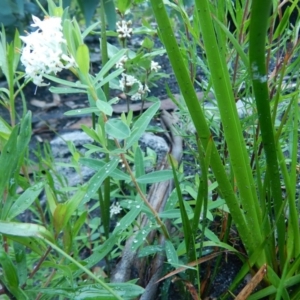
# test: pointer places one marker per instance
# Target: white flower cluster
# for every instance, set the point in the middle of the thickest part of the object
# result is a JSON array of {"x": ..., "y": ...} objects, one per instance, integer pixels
[
  {"x": 129, "y": 81},
  {"x": 123, "y": 29},
  {"x": 120, "y": 64},
  {"x": 43, "y": 52},
  {"x": 155, "y": 66},
  {"x": 115, "y": 209}
]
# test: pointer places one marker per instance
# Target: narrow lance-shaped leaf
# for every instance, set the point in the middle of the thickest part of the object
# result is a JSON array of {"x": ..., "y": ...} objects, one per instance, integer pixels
[
  {"x": 10, "y": 276},
  {"x": 96, "y": 181},
  {"x": 25, "y": 200},
  {"x": 83, "y": 59},
  {"x": 8, "y": 159},
  {"x": 154, "y": 177},
  {"x": 117, "y": 129},
  {"x": 25, "y": 230},
  {"x": 141, "y": 124},
  {"x": 64, "y": 211}
]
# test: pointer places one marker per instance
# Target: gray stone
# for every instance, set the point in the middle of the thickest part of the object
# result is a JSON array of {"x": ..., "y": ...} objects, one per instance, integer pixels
[
  {"x": 62, "y": 154},
  {"x": 156, "y": 143}
]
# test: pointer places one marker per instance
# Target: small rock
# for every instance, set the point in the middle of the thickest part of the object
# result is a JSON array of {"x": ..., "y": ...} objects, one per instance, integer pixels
[{"x": 62, "y": 154}]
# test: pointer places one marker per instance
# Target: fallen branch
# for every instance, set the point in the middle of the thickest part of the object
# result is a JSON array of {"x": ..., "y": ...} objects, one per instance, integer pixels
[{"x": 157, "y": 197}]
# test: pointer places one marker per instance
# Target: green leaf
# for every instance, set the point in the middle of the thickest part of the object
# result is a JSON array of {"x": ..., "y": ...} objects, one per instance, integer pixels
[
  {"x": 99, "y": 253},
  {"x": 31, "y": 243},
  {"x": 97, "y": 164},
  {"x": 172, "y": 257},
  {"x": 8, "y": 160},
  {"x": 76, "y": 84},
  {"x": 187, "y": 229},
  {"x": 110, "y": 64},
  {"x": 64, "y": 211},
  {"x": 141, "y": 237},
  {"x": 125, "y": 290},
  {"x": 110, "y": 12},
  {"x": 141, "y": 124},
  {"x": 16, "y": 45},
  {"x": 170, "y": 214},
  {"x": 88, "y": 9},
  {"x": 284, "y": 22},
  {"x": 104, "y": 107},
  {"x": 150, "y": 250},
  {"x": 109, "y": 78},
  {"x": 96, "y": 181},
  {"x": 89, "y": 29},
  {"x": 5, "y": 129},
  {"x": 96, "y": 292},
  {"x": 123, "y": 5},
  {"x": 112, "y": 50},
  {"x": 20, "y": 256},
  {"x": 139, "y": 167},
  {"x": 24, "y": 135},
  {"x": 93, "y": 134},
  {"x": 24, "y": 201},
  {"x": 156, "y": 176},
  {"x": 147, "y": 43},
  {"x": 128, "y": 219},
  {"x": 66, "y": 90},
  {"x": 10, "y": 273},
  {"x": 79, "y": 223},
  {"x": 25, "y": 230},
  {"x": 82, "y": 111},
  {"x": 3, "y": 53},
  {"x": 83, "y": 59},
  {"x": 117, "y": 129},
  {"x": 10, "y": 276}
]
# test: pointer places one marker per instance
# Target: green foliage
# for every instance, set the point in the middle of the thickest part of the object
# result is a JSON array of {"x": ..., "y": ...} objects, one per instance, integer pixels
[{"x": 15, "y": 15}]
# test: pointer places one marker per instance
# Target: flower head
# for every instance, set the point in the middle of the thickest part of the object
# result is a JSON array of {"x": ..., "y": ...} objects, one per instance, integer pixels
[
  {"x": 123, "y": 29},
  {"x": 155, "y": 66},
  {"x": 141, "y": 91},
  {"x": 115, "y": 209},
  {"x": 43, "y": 53},
  {"x": 127, "y": 81},
  {"x": 120, "y": 64}
]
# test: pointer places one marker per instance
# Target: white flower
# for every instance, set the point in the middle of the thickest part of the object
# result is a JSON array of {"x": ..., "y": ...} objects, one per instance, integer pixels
[
  {"x": 115, "y": 209},
  {"x": 141, "y": 91},
  {"x": 155, "y": 66},
  {"x": 123, "y": 29},
  {"x": 129, "y": 81},
  {"x": 136, "y": 97},
  {"x": 43, "y": 53},
  {"x": 120, "y": 64}
]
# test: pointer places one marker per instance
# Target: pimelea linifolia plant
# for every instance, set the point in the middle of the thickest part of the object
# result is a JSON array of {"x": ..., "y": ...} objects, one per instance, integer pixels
[{"x": 59, "y": 38}]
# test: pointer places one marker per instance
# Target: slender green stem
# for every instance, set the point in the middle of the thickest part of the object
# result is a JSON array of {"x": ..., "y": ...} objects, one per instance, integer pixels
[
  {"x": 239, "y": 158},
  {"x": 140, "y": 192},
  {"x": 188, "y": 92},
  {"x": 104, "y": 53},
  {"x": 106, "y": 199},
  {"x": 257, "y": 48},
  {"x": 80, "y": 266}
]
